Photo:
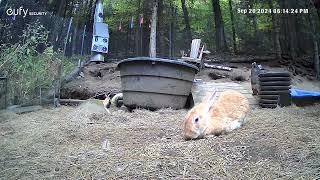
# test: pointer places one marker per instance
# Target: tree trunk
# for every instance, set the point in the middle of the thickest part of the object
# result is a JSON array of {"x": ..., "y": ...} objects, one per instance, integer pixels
[
  {"x": 3, "y": 4},
  {"x": 289, "y": 30},
  {"x": 233, "y": 28},
  {"x": 283, "y": 29},
  {"x": 315, "y": 42},
  {"x": 75, "y": 38},
  {"x": 137, "y": 32},
  {"x": 316, "y": 57},
  {"x": 316, "y": 4},
  {"x": 221, "y": 44},
  {"x": 56, "y": 32},
  {"x": 254, "y": 21},
  {"x": 75, "y": 29},
  {"x": 292, "y": 31},
  {"x": 145, "y": 29},
  {"x": 186, "y": 21},
  {"x": 299, "y": 40},
  {"x": 62, "y": 7},
  {"x": 91, "y": 15},
  {"x": 162, "y": 29},
  {"x": 275, "y": 29},
  {"x": 153, "y": 33},
  {"x": 172, "y": 31}
]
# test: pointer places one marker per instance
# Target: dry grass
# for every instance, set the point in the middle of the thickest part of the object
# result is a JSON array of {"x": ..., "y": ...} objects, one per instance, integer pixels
[
  {"x": 85, "y": 143},
  {"x": 238, "y": 75}
]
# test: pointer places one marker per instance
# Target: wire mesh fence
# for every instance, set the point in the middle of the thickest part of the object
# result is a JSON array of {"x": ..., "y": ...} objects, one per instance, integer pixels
[{"x": 29, "y": 47}]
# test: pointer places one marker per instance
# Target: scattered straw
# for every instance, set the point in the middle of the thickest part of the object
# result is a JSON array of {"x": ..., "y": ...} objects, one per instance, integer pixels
[{"x": 87, "y": 143}]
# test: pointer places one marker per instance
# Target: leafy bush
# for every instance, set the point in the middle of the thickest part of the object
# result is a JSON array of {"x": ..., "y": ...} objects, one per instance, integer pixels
[{"x": 30, "y": 64}]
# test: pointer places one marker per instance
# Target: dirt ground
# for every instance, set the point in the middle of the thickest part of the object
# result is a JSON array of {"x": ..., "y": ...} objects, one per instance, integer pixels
[
  {"x": 97, "y": 79},
  {"x": 84, "y": 142},
  {"x": 104, "y": 79}
]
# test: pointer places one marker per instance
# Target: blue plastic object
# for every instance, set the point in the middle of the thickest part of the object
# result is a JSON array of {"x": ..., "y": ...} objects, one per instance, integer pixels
[{"x": 299, "y": 93}]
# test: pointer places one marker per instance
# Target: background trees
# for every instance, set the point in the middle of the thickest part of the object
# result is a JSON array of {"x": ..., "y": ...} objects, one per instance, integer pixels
[
  {"x": 31, "y": 46},
  {"x": 291, "y": 34}
]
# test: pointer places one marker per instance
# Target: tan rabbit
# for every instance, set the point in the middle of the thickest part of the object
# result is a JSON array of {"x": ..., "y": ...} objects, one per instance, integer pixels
[{"x": 216, "y": 115}]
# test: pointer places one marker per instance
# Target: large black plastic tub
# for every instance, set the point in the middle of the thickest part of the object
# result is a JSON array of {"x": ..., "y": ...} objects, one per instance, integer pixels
[{"x": 155, "y": 83}]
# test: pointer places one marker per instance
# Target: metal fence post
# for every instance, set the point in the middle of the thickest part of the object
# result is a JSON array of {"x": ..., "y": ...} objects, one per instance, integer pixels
[
  {"x": 84, "y": 34},
  {"x": 6, "y": 92},
  {"x": 40, "y": 100},
  {"x": 67, "y": 38}
]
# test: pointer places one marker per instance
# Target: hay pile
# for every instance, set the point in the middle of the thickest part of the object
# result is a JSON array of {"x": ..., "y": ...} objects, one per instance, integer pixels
[{"x": 85, "y": 142}]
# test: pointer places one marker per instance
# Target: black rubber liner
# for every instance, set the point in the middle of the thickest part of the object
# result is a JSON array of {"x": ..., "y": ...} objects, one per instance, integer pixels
[
  {"x": 274, "y": 88},
  {"x": 267, "y": 79},
  {"x": 275, "y": 83},
  {"x": 274, "y": 74},
  {"x": 274, "y": 92}
]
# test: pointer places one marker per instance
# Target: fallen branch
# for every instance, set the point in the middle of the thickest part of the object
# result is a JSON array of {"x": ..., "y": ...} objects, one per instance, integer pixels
[
  {"x": 75, "y": 73},
  {"x": 71, "y": 101},
  {"x": 246, "y": 59}
]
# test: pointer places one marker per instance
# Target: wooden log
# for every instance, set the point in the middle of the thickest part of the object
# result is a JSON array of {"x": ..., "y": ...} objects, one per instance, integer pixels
[
  {"x": 245, "y": 59},
  {"x": 220, "y": 67},
  {"x": 27, "y": 109},
  {"x": 72, "y": 101},
  {"x": 189, "y": 59},
  {"x": 215, "y": 76}
]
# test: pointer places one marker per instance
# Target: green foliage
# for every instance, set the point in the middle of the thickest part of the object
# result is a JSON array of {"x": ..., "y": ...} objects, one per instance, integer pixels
[
  {"x": 26, "y": 68},
  {"x": 201, "y": 21},
  {"x": 122, "y": 11}
]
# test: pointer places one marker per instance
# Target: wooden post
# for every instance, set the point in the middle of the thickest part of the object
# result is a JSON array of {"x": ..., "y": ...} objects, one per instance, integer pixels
[
  {"x": 153, "y": 33},
  {"x": 141, "y": 52}
]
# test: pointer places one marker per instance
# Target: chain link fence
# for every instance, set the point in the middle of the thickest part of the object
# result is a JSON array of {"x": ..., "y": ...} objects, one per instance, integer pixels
[{"x": 33, "y": 50}]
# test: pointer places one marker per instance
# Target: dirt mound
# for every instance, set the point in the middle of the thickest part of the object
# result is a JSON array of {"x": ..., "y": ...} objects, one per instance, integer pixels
[{"x": 97, "y": 79}]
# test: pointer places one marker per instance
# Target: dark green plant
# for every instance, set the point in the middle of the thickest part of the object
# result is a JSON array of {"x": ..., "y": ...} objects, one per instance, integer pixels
[{"x": 28, "y": 69}]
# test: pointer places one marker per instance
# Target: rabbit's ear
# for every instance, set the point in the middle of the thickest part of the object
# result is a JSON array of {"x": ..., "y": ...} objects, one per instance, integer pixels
[{"x": 210, "y": 99}]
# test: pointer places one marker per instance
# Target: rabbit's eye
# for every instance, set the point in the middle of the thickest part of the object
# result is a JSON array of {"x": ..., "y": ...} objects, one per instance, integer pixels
[{"x": 196, "y": 119}]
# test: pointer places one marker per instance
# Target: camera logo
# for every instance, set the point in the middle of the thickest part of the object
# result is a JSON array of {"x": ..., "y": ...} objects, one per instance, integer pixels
[
  {"x": 17, "y": 12},
  {"x": 23, "y": 12}
]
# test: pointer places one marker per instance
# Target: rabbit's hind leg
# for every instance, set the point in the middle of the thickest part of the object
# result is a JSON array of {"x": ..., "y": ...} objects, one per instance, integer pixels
[{"x": 236, "y": 124}]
